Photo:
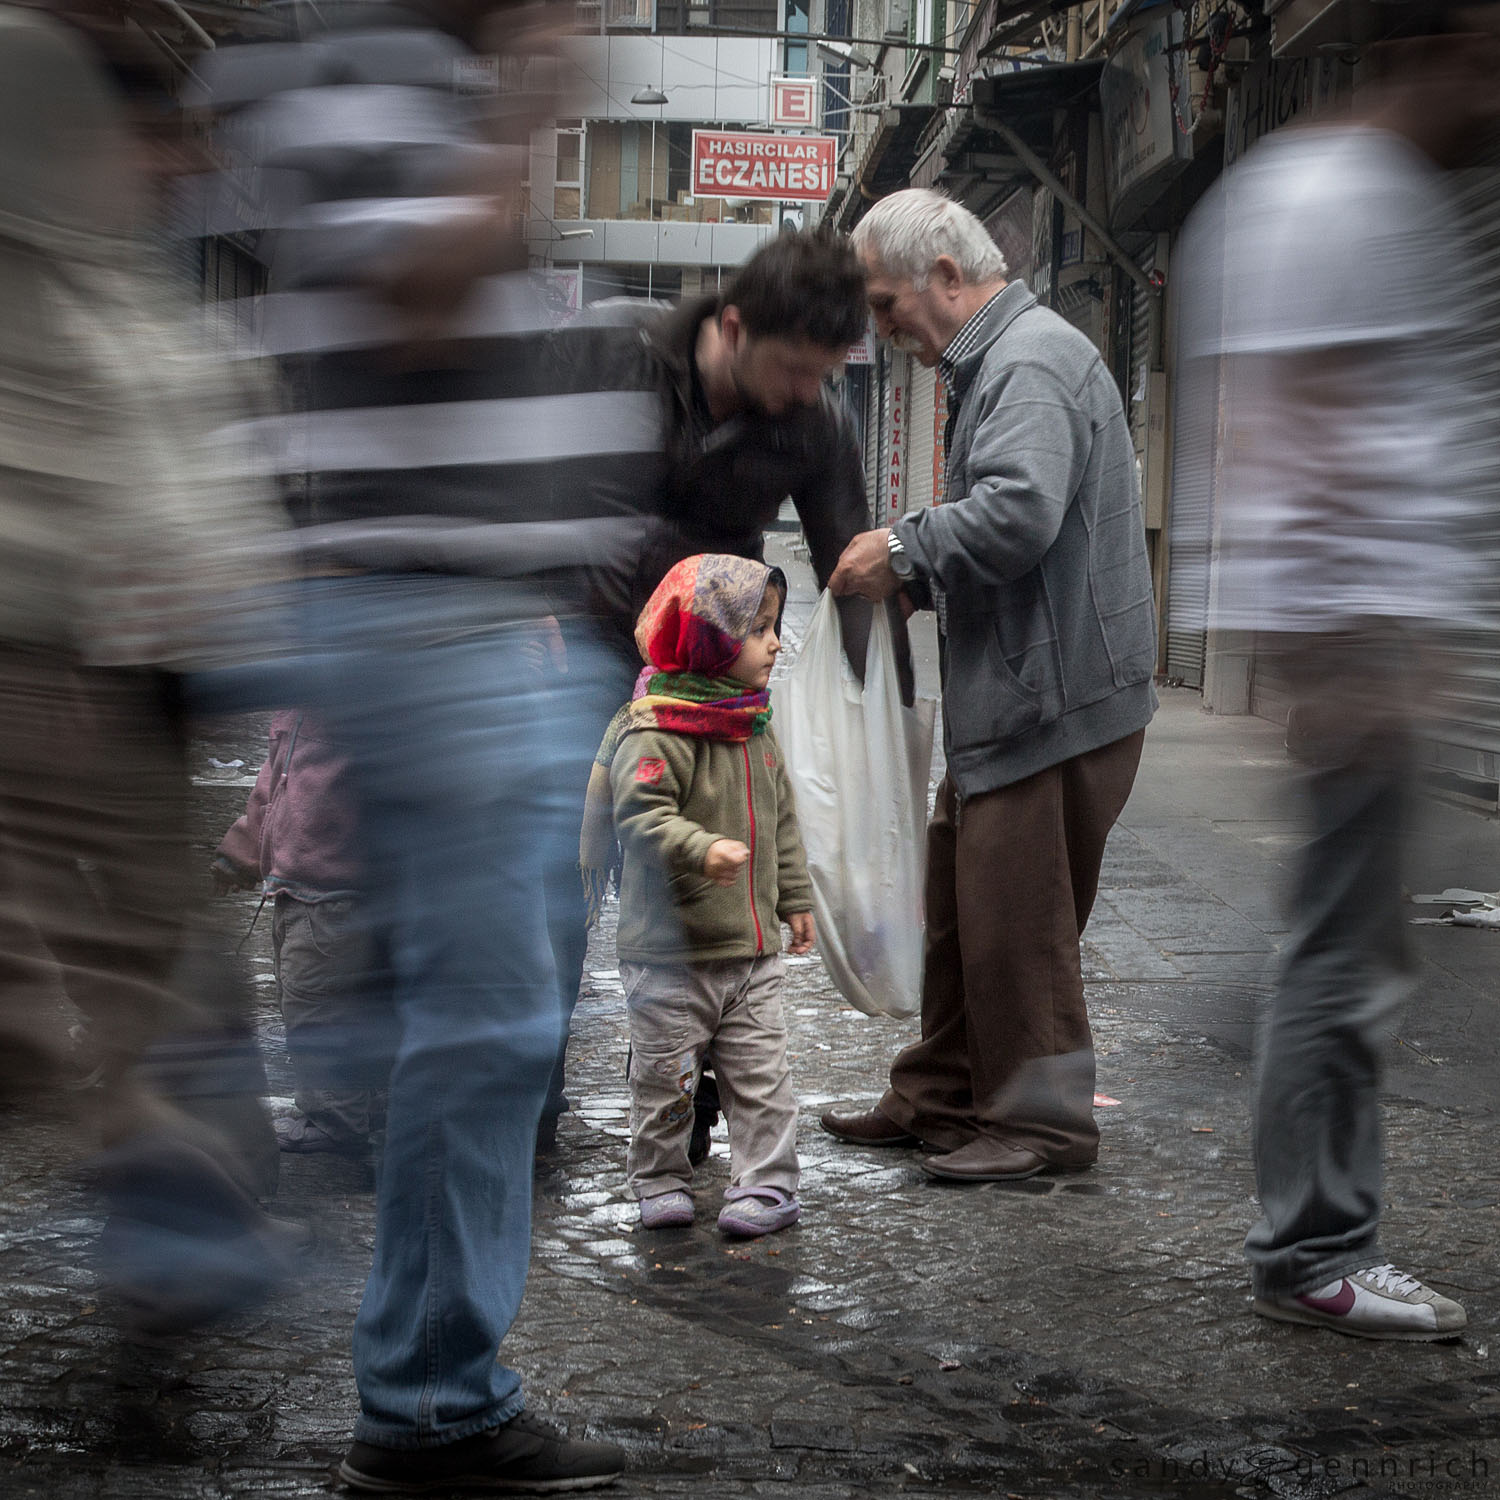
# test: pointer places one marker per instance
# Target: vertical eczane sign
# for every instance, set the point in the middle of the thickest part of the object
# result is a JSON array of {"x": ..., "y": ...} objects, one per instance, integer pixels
[
  {"x": 894, "y": 497},
  {"x": 777, "y": 168}
]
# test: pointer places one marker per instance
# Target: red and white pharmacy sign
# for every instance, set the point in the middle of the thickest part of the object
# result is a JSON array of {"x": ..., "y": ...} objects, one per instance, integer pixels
[
  {"x": 793, "y": 103},
  {"x": 781, "y": 168}
]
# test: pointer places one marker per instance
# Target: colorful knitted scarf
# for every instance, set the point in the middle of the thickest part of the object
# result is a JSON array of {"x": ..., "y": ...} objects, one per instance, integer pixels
[{"x": 689, "y": 633}]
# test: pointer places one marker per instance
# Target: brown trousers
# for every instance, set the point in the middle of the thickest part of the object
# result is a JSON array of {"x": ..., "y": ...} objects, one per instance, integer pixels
[{"x": 1006, "y": 1051}]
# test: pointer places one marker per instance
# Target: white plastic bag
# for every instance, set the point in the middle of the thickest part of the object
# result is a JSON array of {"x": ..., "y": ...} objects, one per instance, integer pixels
[{"x": 859, "y": 763}]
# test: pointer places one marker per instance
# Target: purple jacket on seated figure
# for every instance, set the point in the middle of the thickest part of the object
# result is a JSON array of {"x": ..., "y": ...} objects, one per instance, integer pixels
[{"x": 297, "y": 834}]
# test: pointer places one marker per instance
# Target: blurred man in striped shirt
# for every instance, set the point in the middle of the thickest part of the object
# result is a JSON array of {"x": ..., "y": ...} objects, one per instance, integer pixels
[{"x": 442, "y": 530}]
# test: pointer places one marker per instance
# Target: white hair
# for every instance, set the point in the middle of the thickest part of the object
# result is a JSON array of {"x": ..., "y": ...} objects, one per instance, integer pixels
[{"x": 906, "y": 232}]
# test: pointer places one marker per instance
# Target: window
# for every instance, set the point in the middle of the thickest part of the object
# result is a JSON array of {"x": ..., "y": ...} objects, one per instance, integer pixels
[
  {"x": 630, "y": 13},
  {"x": 602, "y": 282},
  {"x": 567, "y": 195},
  {"x": 837, "y": 76},
  {"x": 746, "y": 15},
  {"x": 797, "y": 18},
  {"x": 643, "y": 170}
]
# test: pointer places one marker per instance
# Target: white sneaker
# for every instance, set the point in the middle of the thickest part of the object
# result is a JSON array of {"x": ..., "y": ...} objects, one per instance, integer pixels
[{"x": 1377, "y": 1303}]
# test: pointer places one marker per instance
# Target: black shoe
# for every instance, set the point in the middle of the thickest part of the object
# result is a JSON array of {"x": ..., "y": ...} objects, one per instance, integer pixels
[
  {"x": 301, "y": 1136},
  {"x": 703, "y": 1129},
  {"x": 526, "y": 1455},
  {"x": 183, "y": 1243}
]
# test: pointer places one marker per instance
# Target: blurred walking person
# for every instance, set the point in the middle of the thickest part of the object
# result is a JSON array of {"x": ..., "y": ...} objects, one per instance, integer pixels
[
  {"x": 1330, "y": 272},
  {"x": 126, "y": 535},
  {"x": 296, "y": 843},
  {"x": 438, "y": 457}
]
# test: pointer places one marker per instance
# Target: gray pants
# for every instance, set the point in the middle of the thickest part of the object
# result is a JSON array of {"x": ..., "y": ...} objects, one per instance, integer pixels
[
  {"x": 1317, "y": 1114},
  {"x": 728, "y": 1011},
  {"x": 327, "y": 972}
]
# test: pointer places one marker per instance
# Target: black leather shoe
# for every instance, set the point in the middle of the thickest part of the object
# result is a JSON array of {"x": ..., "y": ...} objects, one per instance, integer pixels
[
  {"x": 866, "y": 1128},
  {"x": 527, "y": 1454}
]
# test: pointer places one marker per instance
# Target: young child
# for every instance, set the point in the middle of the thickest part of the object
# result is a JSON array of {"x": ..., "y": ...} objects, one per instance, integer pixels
[
  {"x": 296, "y": 840},
  {"x": 712, "y": 865}
]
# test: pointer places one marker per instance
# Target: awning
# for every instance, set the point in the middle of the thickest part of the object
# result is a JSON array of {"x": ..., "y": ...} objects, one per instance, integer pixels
[
  {"x": 1005, "y": 23},
  {"x": 885, "y": 163},
  {"x": 1018, "y": 108},
  {"x": 970, "y": 160},
  {"x": 1026, "y": 97}
]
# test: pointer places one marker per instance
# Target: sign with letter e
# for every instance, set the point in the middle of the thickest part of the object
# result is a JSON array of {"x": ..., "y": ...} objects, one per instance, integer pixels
[{"x": 792, "y": 103}]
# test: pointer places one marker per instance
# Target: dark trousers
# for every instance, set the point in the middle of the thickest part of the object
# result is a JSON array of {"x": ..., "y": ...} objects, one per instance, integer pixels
[
  {"x": 1318, "y": 1157},
  {"x": 596, "y": 699},
  {"x": 97, "y": 906},
  {"x": 95, "y": 883},
  {"x": 334, "y": 985},
  {"x": 1006, "y": 1051}
]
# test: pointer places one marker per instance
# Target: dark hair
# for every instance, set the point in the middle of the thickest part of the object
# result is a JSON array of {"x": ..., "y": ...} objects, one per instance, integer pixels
[
  {"x": 777, "y": 580},
  {"x": 804, "y": 284}
]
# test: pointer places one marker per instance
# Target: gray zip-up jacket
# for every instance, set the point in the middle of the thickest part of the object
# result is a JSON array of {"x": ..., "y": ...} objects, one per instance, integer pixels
[{"x": 1036, "y": 562}]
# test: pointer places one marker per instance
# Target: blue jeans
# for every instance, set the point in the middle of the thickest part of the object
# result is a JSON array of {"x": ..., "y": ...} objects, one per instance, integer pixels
[{"x": 450, "y": 724}]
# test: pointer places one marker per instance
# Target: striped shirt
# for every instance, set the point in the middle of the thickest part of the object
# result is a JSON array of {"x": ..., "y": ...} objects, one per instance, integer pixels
[{"x": 495, "y": 456}]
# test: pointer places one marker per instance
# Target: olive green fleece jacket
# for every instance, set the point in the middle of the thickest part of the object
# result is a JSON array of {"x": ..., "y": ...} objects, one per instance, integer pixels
[{"x": 675, "y": 794}]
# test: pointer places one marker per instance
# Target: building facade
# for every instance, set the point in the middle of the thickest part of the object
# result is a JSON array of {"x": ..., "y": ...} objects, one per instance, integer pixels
[{"x": 615, "y": 210}]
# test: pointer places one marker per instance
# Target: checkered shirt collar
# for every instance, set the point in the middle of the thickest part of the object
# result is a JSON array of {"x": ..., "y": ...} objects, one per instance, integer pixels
[{"x": 965, "y": 341}]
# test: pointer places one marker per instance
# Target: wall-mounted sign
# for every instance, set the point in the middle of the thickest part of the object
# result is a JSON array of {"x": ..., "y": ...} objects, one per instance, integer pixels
[
  {"x": 562, "y": 292},
  {"x": 793, "y": 103},
  {"x": 1270, "y": 94},
  {"x": 863, "y": 351},
  {"x": 896, "y": 467},
  {"x": 780, "y": 168},
  {"x": 1144, "y": 92}
]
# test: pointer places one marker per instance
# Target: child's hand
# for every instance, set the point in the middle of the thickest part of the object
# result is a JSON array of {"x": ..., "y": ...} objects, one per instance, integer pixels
[
  {"x": 724, "y": 861},
  {"x": 228, "y": 876},
  {"x": 804, "y": 932}
]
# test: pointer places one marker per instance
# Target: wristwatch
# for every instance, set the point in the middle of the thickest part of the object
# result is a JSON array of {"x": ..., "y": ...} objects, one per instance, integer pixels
[{"x": 901, "y": 563}]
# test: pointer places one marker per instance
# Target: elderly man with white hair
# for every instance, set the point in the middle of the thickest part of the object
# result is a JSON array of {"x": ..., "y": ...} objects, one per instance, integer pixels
[{"x": 1036, "y": 565}]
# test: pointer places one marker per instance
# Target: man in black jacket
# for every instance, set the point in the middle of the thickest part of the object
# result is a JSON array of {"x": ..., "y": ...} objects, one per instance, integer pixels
[{"x": 747, "y": 419}]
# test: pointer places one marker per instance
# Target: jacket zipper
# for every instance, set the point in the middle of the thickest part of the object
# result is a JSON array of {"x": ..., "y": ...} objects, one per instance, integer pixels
[{"x": 760, "y": 941}]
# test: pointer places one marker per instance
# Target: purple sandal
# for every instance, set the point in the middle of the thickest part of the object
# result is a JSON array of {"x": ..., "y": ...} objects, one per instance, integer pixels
[
  {"x": 752, "y": 1211},
  {"x": 667, "y": 1210}
]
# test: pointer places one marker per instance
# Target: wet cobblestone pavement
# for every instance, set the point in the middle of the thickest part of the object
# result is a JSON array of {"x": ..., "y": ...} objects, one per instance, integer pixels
[{"x": 1089, "y": 1336}]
